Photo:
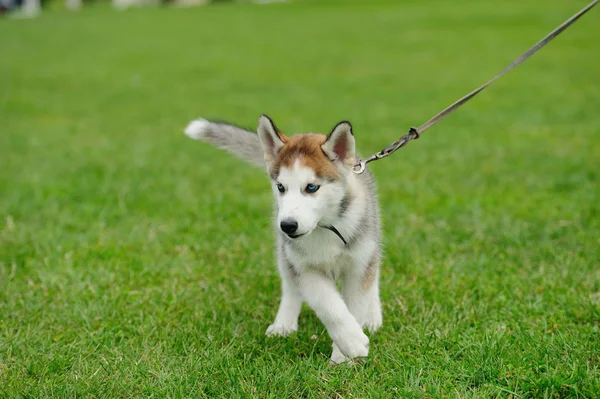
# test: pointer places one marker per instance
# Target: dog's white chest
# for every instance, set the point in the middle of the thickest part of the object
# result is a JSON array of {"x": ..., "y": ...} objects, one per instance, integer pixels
[{"x": 322, "y": 251}]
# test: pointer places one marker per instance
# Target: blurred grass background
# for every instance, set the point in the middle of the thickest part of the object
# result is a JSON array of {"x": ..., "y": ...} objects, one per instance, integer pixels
[{"x": 137, "y": 263}]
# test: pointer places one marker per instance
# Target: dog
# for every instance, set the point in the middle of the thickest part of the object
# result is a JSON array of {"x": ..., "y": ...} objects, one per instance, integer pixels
[{"x": 327, "y": 227}]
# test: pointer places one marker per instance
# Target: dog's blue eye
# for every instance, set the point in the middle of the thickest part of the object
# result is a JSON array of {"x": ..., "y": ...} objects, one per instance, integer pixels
[
  {"x": 311, "y": 188},
  {"x": 280, "y": 187}
]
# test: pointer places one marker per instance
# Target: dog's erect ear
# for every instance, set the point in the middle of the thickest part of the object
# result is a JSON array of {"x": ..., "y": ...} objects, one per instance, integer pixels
[
  {"x": 340, "y": 145},
  {"x": 271, "y": 139}
]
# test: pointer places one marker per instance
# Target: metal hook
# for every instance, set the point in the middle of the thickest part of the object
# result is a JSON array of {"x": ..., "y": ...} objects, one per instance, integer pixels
[{"x": 359, "y": 167}]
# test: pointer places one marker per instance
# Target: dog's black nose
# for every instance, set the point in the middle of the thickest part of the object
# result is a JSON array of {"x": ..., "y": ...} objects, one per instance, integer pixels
[{"x": 289, "y": 226}]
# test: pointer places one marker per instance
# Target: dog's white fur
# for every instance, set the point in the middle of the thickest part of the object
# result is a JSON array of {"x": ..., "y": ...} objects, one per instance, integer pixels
[
  {"x": 310, "y": 264},
  {"x": 197, "y": 129}
]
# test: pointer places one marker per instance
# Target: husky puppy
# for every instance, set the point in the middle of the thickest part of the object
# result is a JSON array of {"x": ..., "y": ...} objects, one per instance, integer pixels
[{"x": 327, "y": 227}]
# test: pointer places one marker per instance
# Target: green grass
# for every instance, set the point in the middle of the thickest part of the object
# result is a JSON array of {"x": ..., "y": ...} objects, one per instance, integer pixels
[{"x": 137, "y": 263}]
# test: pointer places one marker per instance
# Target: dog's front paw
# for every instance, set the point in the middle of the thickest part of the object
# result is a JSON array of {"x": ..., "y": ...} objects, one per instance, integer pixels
[
  {"x": 281, "y": 330},
  {"x": 351, "y": 341}
]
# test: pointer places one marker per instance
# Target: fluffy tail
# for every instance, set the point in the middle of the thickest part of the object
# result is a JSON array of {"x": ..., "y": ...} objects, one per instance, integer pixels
[{"x": 239, "y": 142}]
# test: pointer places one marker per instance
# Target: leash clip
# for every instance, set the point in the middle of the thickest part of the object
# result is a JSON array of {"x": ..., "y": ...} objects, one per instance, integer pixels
[{"x": 359, "y": 167}]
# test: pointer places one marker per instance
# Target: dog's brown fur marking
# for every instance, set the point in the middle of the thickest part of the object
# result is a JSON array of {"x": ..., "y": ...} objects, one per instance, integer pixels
[
  {"x": 306, "y": 148},
  {"x": 370, "y": 274}
]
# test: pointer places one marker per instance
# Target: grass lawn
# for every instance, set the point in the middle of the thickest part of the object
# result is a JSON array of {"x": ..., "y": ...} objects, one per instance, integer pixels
[{"x": 135, "y": 262}]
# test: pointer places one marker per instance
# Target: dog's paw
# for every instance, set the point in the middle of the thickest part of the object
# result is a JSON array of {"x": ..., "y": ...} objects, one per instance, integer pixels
[
  {"x": 373, "y": 322},
  {"x": 351, "y": 341},
  {"x": 337, "y": 357},
  {"x": 280, "y": 330},
  {"x": 372, "y": 319}
]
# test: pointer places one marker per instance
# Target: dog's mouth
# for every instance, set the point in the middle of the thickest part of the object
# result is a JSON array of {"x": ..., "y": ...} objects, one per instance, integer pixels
[{"x": 295, "y": 235}]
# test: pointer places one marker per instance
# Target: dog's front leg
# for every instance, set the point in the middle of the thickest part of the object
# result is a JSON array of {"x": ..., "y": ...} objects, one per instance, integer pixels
[
  {"x": 322, "y": 296},
  {"x": 360, "y": 290},
  {"x": 286, "y": 321}
]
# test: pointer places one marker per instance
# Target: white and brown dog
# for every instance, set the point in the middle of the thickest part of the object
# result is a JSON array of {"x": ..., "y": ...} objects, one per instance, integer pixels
[{"x": 327, "y": 224}]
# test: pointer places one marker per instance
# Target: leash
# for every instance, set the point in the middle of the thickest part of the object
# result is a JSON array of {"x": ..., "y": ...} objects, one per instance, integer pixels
[{"x": 414, "y": 133}]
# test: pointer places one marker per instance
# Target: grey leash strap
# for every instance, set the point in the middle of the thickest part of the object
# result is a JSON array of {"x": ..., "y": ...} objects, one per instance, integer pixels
[{"x": 415, "y": 133}]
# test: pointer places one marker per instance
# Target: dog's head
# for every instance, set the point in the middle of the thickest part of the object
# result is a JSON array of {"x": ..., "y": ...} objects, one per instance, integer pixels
[{"x": 309, "y": 174}]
